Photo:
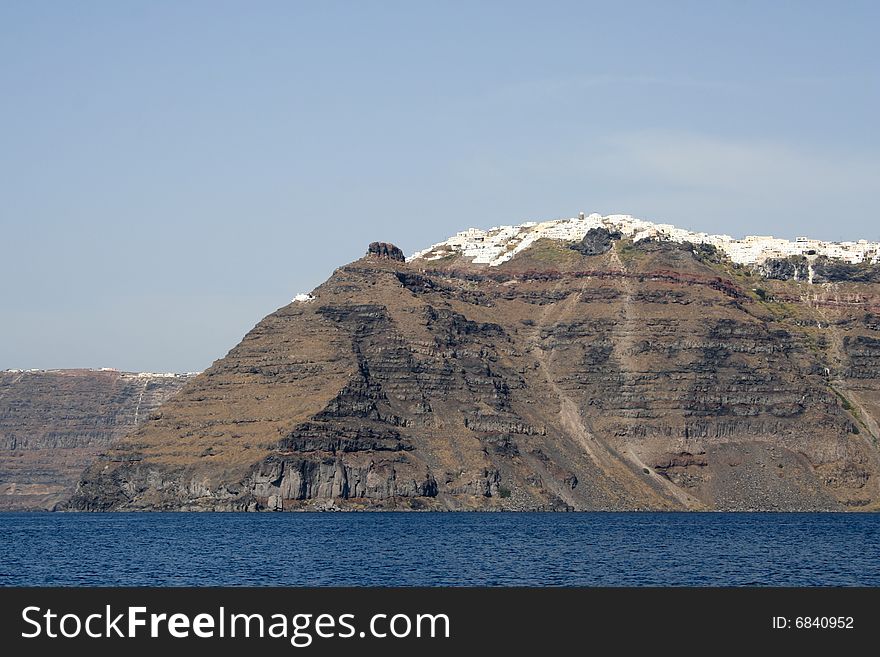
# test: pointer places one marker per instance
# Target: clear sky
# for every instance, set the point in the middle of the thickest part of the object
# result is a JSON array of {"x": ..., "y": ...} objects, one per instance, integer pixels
[{"x": 172, "y": 171}]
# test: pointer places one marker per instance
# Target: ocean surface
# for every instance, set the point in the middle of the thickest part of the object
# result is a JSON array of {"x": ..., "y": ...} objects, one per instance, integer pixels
[{"x": 440, "y": 549}]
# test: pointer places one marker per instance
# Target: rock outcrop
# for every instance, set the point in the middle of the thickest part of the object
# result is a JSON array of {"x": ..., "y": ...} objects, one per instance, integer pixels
[
  {"x": 826, "y": 270},
  {"x": 597, "y": 241},
  {"x": 385, "y": 250},
  {"x": 819, "y": 270},
  {"x": 55, "y": 423},
  {"x": 638, "y": 376},
  {"x": 786, "y": 269}
]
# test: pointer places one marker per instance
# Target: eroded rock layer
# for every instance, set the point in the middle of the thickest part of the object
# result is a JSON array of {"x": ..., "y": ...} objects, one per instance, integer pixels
[{"x": 54, "y": 423}]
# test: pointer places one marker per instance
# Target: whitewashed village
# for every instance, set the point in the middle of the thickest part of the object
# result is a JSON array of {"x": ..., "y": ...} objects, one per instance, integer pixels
[{"x": 499, "y": 244}]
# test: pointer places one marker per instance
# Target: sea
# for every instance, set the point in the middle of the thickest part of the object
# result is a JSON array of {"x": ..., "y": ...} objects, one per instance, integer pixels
[{"x": 440, "y": 549}]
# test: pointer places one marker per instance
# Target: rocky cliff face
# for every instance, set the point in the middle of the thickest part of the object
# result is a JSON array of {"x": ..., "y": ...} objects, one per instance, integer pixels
[
  {"x": 54, "y": 423},
  {"x": 612, "y": 376},
  {"x": 819, "y": 270}
]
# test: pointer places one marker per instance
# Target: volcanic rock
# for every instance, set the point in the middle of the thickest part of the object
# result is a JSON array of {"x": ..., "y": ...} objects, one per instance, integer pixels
[
  {"x": 597, "y": 241},
  {"x": 385, "y": 250}
]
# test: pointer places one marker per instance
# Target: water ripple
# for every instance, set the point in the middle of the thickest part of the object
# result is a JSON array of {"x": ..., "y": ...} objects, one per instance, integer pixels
[{"x": 446, "y": 549}]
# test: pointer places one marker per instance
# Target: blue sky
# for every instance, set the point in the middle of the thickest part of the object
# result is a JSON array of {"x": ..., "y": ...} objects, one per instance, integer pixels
[{"x": 170, "y": 172}]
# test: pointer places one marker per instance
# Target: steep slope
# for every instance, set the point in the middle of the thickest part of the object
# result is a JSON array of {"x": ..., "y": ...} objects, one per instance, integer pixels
[
  {"x": 54, "y": 423},
  {"x": 608, "y": 375}
]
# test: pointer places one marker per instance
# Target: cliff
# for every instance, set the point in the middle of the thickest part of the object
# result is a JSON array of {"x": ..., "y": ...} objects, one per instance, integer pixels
[
  {"x": 54, "y": 423},
  {"x": 607, "y": 375}
]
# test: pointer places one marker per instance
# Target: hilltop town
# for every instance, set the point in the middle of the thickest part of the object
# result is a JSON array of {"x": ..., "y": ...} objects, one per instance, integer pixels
[{"x": 501, "y": 243}]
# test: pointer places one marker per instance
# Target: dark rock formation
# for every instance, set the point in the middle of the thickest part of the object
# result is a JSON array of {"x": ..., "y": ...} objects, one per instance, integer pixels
[
  {"x": 385, "y": 250},
  {"x": 826, "y": 270},
  {"x": 285, "y": 481},
  {"x": 785, "y": 269},
  {"x": 651, "y": 380},
  {"x": 863, "y": 354},
  {"x": 54, "y": 423},
  {"x": 596, "y": 242}
]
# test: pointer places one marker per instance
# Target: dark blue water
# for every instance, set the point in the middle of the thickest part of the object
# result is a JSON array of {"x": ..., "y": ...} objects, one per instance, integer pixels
[{"x": 433, "y": 549}]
